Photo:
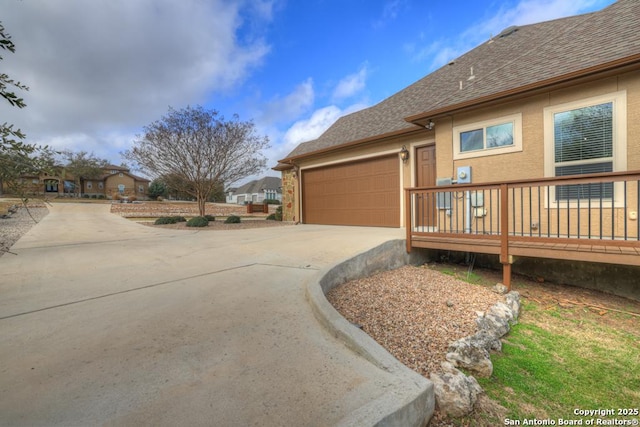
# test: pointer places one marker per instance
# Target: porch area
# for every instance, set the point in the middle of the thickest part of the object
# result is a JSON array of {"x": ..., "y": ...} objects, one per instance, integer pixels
[{"x": 591, "y": 217}]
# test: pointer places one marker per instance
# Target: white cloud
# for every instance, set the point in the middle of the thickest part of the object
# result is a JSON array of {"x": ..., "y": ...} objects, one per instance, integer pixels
[
  {"x": 389, "y": 13},
  {"x": 351, "y": 84},
  {"x": 291, "y": 106},
  {"x": 313, "y": 127},
  {"x": 95, "y": 66}
]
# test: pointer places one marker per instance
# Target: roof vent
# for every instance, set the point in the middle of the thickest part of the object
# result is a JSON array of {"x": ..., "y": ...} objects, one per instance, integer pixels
[{"x": 508, "y": 31}]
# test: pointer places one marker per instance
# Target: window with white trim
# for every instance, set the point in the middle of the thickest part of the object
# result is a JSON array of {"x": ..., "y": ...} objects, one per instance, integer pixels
[
  {"x": 586, "y": 137},
  {"x": 89, "y": 185},
  {"x": 496, "y": 136}
]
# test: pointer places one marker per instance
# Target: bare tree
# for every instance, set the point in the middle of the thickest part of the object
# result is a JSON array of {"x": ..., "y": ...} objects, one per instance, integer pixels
[
  {"x": 200, "y": 149},
  {"x": 83, "y": 165}
]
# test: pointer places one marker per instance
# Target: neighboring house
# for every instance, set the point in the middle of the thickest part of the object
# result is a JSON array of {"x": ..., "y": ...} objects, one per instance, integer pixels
[
  {"x": 116, "y": 181},
  {"x": 494, "y": 109},
  {"x": 267, "y": 188}
]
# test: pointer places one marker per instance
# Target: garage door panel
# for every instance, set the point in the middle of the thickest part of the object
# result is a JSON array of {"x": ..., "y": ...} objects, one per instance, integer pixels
[{"x": 360, "y": 193}]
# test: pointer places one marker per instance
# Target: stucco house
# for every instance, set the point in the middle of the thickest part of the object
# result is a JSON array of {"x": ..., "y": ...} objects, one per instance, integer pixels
[
  {"x": 256, "y": 191},
  {"x": 535, "y": 102}
]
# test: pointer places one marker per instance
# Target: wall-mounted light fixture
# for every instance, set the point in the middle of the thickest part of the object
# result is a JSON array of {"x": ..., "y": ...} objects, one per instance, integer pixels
[
  {"x": 430, "y": 125},
  {"x": 404, "y": 154}
]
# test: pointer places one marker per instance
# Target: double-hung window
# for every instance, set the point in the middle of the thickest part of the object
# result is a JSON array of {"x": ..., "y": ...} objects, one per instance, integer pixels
[{"x": 583, "y": 138}]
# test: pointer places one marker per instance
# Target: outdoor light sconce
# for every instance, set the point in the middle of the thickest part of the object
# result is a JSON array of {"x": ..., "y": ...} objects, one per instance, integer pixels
[
  {"x": 404, "y": 154},
  {"x": 429, "y": 125}
]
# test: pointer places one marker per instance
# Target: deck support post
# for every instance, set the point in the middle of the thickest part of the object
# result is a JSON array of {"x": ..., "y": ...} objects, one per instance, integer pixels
[
  {"x": 506, "y": 275},
  {"x": 505, "y": 258}
]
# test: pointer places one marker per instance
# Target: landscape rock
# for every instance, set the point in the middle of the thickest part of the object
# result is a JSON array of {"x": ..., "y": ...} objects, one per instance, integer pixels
[
  {"x": 456, "y": 393},
  {"x": 513, "y": 301},
  {"x": 470, "y": 353},
  {"x": 500, "y": 289}
]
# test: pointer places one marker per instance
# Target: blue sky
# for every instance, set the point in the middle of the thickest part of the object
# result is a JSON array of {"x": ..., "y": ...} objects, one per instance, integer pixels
[{"x": 100, "y": 70}]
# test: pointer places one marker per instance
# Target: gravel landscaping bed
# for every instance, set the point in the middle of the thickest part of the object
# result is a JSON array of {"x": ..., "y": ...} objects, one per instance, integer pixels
[
  {"x": 414, "y": 312},
  {"x": 16, "y": 225}
]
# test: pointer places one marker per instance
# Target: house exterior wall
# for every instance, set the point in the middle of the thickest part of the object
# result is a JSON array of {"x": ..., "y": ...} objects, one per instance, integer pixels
[
  {"x": 530, "y": 162},
  {"x": 290, "y": 206},
  {"x": 526, "y": 163},
  {"x": 375, "y": 149},
  {"x": 131, "y": 186}
]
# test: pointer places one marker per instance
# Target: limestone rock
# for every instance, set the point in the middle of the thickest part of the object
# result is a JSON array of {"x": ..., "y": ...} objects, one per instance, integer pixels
[
  {"x": 471, "y": 353},
  {"x": 513, "y": 301},
  {"x": 455, "y": 392},
  {"x": 500, "y": 289}
]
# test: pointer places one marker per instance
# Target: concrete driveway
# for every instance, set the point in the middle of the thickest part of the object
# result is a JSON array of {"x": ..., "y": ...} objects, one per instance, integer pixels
[{"x": 107, "y": 322}]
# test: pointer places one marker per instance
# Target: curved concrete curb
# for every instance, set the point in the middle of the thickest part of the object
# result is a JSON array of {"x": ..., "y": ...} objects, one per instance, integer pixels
[{"x": 409, "y": 402}]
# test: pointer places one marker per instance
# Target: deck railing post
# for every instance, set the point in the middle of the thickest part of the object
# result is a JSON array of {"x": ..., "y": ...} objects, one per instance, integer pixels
[
  {"x": 505, "y": 259},
  {"x": 407, "y": 217}
]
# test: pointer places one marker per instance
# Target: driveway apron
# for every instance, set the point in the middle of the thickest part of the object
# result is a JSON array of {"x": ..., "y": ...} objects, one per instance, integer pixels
[{"x": 108, "y": 322}]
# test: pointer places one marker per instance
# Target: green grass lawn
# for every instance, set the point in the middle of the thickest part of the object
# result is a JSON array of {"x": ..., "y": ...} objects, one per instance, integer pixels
[
  {"x": 546, "y": 372},
  {"x": 559, "y": 359}
]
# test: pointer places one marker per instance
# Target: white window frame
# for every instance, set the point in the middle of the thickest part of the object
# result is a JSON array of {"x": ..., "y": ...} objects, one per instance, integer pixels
[
  {"x": 515, "y": 119},
  {"x": 100, "y": 185},
  {"x": 619, "y": 158},
  {"x": 89, "y": 185}
]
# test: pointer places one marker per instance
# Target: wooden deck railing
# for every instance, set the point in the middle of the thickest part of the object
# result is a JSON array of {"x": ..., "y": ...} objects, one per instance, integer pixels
[{"x": 581, "y": 217}]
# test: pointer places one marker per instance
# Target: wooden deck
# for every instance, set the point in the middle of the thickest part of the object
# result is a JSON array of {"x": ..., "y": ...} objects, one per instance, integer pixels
[
  {"x": 623, "y": 253},
  {"x": 508, "y": 219}
]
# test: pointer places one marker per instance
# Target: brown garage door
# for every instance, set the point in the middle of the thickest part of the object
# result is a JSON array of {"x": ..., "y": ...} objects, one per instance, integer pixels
[{"x": 359, "y": 193}]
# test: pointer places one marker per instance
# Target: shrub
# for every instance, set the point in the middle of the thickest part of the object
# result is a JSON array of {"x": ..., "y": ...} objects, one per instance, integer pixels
[
  {"x": 210, "y": 217},
  {"x": 232, "y": 219},
  {"x": 277, "y": 215},
  {"x": 271, "y": 201},
  {"x": 101, "y": 196},
  {"x": 198, "y": 221},
  {"x": 85, "y": 196},
  {"x": 179, "y": 218},
  {"x": 166, "y": 220}
]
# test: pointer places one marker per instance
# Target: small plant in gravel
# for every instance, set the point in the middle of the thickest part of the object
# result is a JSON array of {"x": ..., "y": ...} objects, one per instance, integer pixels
[
  {"x": 198, "y": 221},
  {"x": 210, "y": 217},
  {"x": 232, "y": 219}
]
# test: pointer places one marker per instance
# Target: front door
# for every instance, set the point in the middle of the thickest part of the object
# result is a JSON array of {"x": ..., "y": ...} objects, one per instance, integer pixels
[{"x": 426, "y": 177}]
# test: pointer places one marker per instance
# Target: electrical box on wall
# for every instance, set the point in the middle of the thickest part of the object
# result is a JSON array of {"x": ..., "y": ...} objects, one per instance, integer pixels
[{"x": 464, "y": 175}]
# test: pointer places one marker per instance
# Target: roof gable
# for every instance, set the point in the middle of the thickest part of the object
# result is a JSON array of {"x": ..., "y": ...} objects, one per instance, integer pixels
[
  {"x": 257, "y": 186},
  {"x": 513, "y": 61}
]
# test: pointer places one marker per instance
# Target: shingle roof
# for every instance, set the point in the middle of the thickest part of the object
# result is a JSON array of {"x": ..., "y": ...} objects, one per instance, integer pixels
[
  {"x": 257, "y": 186},
  {"x": 512, "y": 61}
]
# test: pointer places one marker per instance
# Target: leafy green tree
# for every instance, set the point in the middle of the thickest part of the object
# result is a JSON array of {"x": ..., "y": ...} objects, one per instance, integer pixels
[
  {"x": 200, "y": 150},
  {"x": 18, "y": 158},
  {"x": 157, "y": 188},
  {"x": 11, "y": 138}
]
